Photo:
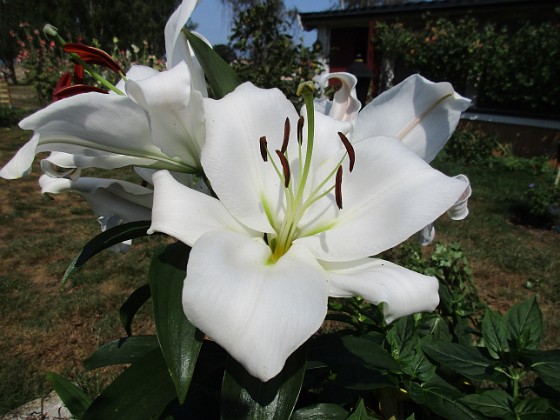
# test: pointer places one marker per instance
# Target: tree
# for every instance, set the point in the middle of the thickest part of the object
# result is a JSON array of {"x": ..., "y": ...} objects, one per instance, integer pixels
[
  {"x": 266, "y": 52},
  {"x": 91, "y": 21}
]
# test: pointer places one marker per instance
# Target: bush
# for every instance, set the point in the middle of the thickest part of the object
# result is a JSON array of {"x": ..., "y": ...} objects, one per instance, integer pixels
[
  {"x": 468, "y": 145},
  {"x": 11, "y": 116}
]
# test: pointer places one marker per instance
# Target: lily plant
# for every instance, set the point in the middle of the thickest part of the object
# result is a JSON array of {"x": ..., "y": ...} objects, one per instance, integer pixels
[
  {"x": 157, "y": 122},
  {"x": 300, "y": 210}
]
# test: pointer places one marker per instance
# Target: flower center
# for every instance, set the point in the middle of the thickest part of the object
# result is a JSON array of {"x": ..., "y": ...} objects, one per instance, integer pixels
[{"x": 298, "y": 199}]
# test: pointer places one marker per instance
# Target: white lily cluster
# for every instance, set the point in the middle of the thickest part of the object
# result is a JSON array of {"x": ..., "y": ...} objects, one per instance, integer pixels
[{"x": 303, "y": 200}]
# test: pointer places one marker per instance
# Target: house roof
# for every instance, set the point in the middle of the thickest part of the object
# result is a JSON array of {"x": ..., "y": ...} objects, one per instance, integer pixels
[{"x": 312, "y": 20}]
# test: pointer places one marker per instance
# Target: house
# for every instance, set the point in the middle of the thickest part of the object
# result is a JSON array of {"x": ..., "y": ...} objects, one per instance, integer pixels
[{"x": 346, "y": 36}]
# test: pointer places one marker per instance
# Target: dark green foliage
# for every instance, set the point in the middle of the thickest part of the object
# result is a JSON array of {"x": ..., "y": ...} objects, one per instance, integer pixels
[
  {"x": 511, "y": 68},
  {"x": 468, "y": 145}
]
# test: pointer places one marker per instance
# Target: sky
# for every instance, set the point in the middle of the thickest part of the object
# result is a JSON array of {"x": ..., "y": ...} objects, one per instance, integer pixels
[{"x": 214, "y": 19}]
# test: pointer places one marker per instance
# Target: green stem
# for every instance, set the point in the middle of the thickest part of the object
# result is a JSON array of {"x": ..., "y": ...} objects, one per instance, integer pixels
[{"x": 89, "y": 70}]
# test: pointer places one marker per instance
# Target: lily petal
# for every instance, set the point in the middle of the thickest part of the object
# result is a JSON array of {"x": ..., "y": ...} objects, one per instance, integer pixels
[
  {"x": 421, "y": 113},
  {"x": 261, "y": 312},
  {"x": 389, "y": 196},
  {"x": 402, "y": 291},
  {"x": 85, "y": 126},
  {"x": 459, "y": 210},
  {"x": 187, "y": 214},
  {"x": 176, "y": 46},
  {"x": 235, "y": 166},
  {"x": 345, "y": 104},
  {"x": 176, "y": 115},
  {"x": 106, "y": 197}
]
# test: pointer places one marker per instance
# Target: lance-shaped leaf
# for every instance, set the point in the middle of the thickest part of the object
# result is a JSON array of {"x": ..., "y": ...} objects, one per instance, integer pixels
[
  {"x": 105, "y": 240},
  {"x": 132, "y": 305},
  {"x": 180, "y": 341},
  {"x": 546, "y": 364},
  {"x": 141, "y": 392},
  {"x": 76, "y": 400},
  {"x": 121, "y": 351},
  {"x": 246, "y": 397},
  {"x": 220, "y": 75}
]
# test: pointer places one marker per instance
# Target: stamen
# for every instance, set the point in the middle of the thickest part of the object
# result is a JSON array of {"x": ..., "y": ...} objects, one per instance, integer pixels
[
  {"x": 286, "y": 135},
  {"x": 349, "y": 149},
  {"x": 285, "y": 168},
  {"x": 300, "y": 129},
  {"x": 263, "y": 146},
  {"x": 338, "y": 187}
]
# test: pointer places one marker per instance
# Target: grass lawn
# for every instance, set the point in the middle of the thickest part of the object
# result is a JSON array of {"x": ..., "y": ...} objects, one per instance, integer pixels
[{"x": 46, "y": 328}]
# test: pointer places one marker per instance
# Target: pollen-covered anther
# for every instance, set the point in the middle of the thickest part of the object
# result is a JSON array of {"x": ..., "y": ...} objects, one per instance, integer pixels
[
  {"x": 349, "y": 149},
  {"x": 285, "y": 167},
  {"x": 338, "y": 187},
  {"x": 286, "y": 136},
  {"x": 264, "y": 150},
  {"x": 300, "y": 122}
]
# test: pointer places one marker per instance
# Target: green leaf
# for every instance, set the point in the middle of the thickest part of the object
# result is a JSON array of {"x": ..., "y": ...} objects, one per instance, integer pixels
[
  {"x": 180, "y": 341},
  {"x": 441, "y": 398},
  {"x": 132, "y": 305},
  {"x": 76, "y": 400},
  {"x": 142, "y": 391},
  {"x": 465, "y": 360},
  {"x": 220, "y": 75},
  {"x": 360, "y": 412},
  {"x": 494, "y": 334},
  {"x": 546, "y": 364},
  {"x": 524, "y": 324},
  {"x": 320, "y": 412},
  {"x": 493, "y": 403},
  {"x": 535, "y": 409},
  {"x": 246, "y": 397},
  {"x": 369, "y": 351},
  {"x": 122, "y": 351},
  {"x": 105, "y": 240},
  {"x": 403, "y": 339}
]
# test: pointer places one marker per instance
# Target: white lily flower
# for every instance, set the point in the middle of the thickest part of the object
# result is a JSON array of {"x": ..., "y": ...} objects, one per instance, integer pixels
[
  {"x": 158, "y": 124},
  {"x": 113, "y": 201},
  {"x": 289, "y": 232},
  {"x": 419, "y": 112}
]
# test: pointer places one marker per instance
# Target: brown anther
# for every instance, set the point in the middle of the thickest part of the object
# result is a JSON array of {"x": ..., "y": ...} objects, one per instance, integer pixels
[
  {"x": 349, "y": 149},
  {"x": 263, "y": 146},
  {"x": 285, "y": 167},
  {"x": 338, "y": 187},
  {"x": 286, "y": 135},
  {"x": 300, "y": 129}
]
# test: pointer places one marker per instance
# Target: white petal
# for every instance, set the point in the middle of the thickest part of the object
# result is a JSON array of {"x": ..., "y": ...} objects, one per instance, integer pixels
[
  {"x": 85, "y": 126},
  {"x": 20, "y": 164},
  {"x": 106, "y": 197},
  {"x": 259, "y": 312},
  {"x": 187, "y": 214},
  {"x": 402, "y": 291},
  {"x": 231, "y": 157},
  {"x": 459, "y": 210},
  {"x": 421, "y": 113},
  {"x": 135, "y": 73},
  {"x": 427, "y": 235},
  {"x": 176, "y": 47},
  {"x": 345, "y": 104},
  {"x": 176, "y": 118},
  {"x": 390, "y": 195}
]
